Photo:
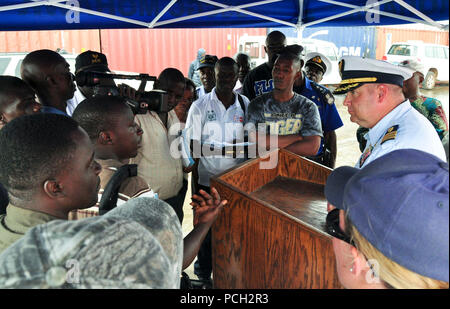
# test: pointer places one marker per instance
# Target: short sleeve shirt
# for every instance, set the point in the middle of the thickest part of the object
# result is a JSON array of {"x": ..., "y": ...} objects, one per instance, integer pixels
[
  {"x": 296, "y": 116},
  {"x": 159, "y": 167},
  {"x": 403, "y": 128},
  {"x": 328, "y": 112},
  {"x": 209, "y": 122},
  {"x": 258, "y": 81}
]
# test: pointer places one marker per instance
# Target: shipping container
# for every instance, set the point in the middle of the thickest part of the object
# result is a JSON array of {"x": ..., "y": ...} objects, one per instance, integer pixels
[
  {"x": 134, "y": 50},
  {"x": 387, "y": 35},
  {"x": 371, "y": 42},
  {"x": 72, "y": 41},
  {"x": 350, "y": 41},
  {"x": 152, "y": 50}
]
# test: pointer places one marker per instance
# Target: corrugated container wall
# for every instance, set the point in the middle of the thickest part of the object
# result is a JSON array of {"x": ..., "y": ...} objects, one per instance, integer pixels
[
  {"x": 386, "y": 36},
  {"x": 73, "y": 41},
  {"x": 136, "y": 50},
  {"x": 152, "y": 50}
]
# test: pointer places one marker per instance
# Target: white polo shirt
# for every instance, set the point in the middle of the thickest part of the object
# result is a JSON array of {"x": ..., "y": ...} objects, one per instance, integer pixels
[
  {"x": 403, "y": 128},
  {"x": 208, "y": 122}
]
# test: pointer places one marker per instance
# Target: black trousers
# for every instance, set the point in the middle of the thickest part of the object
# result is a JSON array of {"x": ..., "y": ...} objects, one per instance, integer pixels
[{"x": 203, "y": 264}]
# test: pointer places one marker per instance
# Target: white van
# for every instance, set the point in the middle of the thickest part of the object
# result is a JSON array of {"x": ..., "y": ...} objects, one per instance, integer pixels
[
  {"x": 433, "y": 57},
  {"x": 254, "y": 47},
  {"x": 10, "y": 62}
]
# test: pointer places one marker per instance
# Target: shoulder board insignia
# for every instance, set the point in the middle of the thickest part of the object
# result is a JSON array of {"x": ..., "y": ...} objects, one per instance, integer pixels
[
  {"x": 323, "y": 92},
  {"x": 390, "y": 134},
  {"x": 330, "y": 98}
]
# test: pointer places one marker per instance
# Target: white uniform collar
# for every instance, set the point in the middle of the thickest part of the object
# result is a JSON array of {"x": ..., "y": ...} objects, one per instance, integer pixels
[{"x": 380, "y": 128}]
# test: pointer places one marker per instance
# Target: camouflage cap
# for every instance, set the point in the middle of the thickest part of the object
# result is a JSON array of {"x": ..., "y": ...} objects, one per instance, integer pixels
[{"x": 137, "y": 245}]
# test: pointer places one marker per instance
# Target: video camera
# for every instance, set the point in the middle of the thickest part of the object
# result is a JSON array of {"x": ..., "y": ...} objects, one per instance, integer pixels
[{"x": 155, "y": 100}]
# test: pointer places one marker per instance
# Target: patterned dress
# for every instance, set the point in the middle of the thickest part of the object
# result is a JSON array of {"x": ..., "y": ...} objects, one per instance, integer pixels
[{"x": 432, "y": 109}]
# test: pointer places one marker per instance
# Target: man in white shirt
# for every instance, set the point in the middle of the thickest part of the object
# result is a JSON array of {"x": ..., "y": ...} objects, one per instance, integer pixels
[
  {"x": 215, "y": 119},
  {"x": 375, "y": 101}
]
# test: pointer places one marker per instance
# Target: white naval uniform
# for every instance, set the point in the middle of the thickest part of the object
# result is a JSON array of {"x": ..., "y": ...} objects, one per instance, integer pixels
[
  {"x": 208, "y": 122},
  {"x": 413, "y": 131}
]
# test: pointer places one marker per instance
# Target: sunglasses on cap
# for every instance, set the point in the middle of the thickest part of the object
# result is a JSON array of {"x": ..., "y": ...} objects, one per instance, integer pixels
[{"x": 333, "y": 228}]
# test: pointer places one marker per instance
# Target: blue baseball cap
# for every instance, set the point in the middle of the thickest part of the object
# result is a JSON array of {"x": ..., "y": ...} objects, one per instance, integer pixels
[
  {"x": 207, "y": 61},
  {"x": 399, "y": 203}
]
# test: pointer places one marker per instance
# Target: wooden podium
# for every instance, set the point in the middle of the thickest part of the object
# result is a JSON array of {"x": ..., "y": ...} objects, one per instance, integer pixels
[{"x": 271, "y": 233}]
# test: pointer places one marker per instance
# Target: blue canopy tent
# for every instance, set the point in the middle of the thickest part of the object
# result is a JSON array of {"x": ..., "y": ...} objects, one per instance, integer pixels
[{"x": 108, "y": 14}]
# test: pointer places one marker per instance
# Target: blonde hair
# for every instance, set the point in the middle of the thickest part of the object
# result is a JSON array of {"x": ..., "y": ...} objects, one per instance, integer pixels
[{"x": 391, "y": 273}]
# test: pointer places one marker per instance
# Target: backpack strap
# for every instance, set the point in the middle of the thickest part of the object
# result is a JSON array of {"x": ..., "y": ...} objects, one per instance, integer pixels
[
  {"x": 111, "y": 192},
  {"x": 241, "y": 101}
]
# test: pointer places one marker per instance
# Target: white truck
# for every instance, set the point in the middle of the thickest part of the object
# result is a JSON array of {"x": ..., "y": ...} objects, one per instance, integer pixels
[{"x": 433, "y": 57}]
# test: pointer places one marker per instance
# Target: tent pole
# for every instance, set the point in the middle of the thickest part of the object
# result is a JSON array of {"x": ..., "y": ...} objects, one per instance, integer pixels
[
  {"x": 152, "y": 23},
  {"x": 25, "y": 5},
  {"x": 367, "y": 8},
  {"x": 418, "y": 13},
  {"x": 100, "y": 40},
  {"x": 300, "y": 26},
  {"x": 354, "y": 7},
  {"x": 227, "y": 8}
]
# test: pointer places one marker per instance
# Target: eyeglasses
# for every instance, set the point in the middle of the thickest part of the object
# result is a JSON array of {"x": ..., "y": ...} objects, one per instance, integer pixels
[{"x": 333, "y": 228}]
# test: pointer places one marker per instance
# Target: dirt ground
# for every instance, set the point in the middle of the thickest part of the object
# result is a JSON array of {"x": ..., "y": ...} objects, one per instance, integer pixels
[{"x": 347, "y": 145}]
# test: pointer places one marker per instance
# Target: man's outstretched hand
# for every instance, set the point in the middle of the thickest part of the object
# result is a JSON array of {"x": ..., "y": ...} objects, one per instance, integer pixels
[{"x": 207, "y": 207}]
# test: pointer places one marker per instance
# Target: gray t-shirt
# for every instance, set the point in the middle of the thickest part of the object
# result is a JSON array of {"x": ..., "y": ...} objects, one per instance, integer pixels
[{"x": 299, "y": 115}]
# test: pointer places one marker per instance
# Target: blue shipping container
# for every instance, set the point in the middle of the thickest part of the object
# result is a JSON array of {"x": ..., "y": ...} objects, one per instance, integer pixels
[{"x": 350, "y": 41}]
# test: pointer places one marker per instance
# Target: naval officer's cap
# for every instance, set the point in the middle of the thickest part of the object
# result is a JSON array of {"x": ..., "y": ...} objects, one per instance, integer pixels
[{"x": 357, "y": 71}]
